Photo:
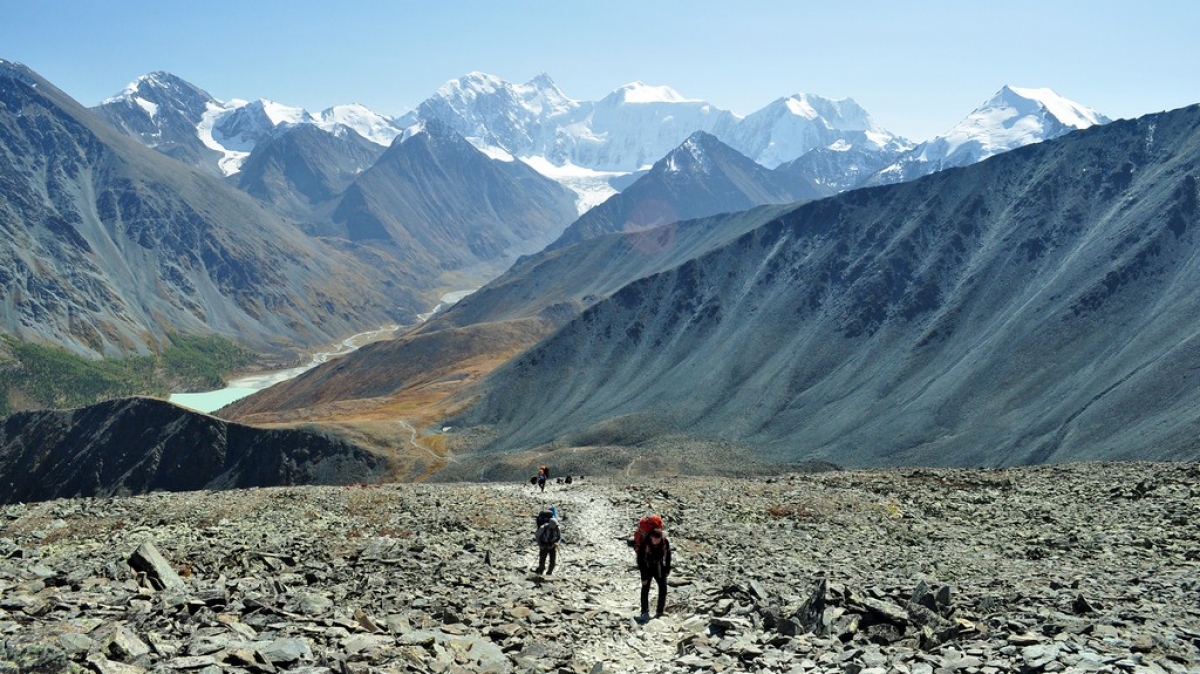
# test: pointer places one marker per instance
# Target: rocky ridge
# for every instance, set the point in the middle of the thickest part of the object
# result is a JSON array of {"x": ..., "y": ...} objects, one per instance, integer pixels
[{"x": 1058, "y": 568}]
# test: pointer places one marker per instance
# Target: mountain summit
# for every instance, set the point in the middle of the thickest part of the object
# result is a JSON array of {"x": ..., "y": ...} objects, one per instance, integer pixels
[
  {"x": 1013, "y": 118},
  {"x": 701, "y": 177},
  {"x": 637, "y": 124},
  {"x": 164, "y": 111}
]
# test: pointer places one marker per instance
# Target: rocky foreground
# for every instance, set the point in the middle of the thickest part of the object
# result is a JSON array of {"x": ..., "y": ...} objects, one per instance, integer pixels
[{"x": 1067, "y": 568}]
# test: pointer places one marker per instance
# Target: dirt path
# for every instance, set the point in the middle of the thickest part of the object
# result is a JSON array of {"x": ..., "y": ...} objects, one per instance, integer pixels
[
  {"x": 595, "y": 564},
  {"x": 412, "y": 440}
]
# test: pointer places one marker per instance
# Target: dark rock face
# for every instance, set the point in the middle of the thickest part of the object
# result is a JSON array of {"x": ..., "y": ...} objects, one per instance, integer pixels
[
  {"x": 1030, "y": 308},
  {"x": 138, "y": 445},
  {"x": 1065, "y": 568}
]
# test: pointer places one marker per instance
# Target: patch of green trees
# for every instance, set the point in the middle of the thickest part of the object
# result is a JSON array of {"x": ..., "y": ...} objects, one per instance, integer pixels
[{"x": 36, "y": 375}]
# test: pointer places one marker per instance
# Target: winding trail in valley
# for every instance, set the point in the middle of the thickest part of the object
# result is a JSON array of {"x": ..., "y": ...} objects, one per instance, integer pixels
[{"x": 412, "y": 440}]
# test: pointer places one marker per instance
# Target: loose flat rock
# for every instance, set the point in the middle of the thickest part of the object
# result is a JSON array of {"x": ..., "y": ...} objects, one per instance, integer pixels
[{"x": 1065, "y": 568}]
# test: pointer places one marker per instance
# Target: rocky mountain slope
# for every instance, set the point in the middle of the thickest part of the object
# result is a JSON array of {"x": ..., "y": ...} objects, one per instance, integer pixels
[
  {"x": 445, "y": 205},
  {"x": 109, "y": 246},
  {"x": 1064, "y": 568},
  {"x": 701, "y": 177},
  {"x": 1035, "y": 307},
  {"x": 301, "y": 168},
  {"x": 451, "y": 351}
]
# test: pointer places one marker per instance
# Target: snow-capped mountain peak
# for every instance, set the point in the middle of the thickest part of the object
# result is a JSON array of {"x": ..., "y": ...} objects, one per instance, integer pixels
[
  {"x": 690, "y": 157},
  {"x": 639, "y": 92},
  {"x": 540, "y": 96},
  {"x": 844, "y": 114},
  {"x": 470, "y": 86},
  {"x": 1063, "y": 109},
  {"x": 790, "y": 127},
  {"x": 365, "y": 122},
  {"x": 1012, "y": 118},
  {"x": 543, "y": 97},
  {"x": 279, "y": 113},
  {"x": 151, "y": 86},
  {"x": 162, "y": 93}
]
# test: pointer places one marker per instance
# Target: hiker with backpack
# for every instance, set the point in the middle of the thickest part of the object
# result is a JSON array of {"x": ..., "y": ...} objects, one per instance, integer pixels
[
  {"x": 653, "y": 561},
  {"x": 547, "y": 536}
]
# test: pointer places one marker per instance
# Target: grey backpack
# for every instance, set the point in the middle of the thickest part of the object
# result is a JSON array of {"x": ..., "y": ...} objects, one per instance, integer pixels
[{"x": 548, "y": 534}]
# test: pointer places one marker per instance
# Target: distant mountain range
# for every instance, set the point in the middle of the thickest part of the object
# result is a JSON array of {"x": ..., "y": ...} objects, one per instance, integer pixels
[
  {"x": 359, "y": 185},
  {"x": 734, "y": 287},
  {"x": 1033, "y": 307},
  {"x": 592, "y": 146},
  {"x": 110, "y": 247}
]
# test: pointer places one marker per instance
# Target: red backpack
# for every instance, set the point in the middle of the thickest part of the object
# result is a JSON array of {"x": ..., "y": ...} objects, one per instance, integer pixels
[{"x": 644, "y": 527}]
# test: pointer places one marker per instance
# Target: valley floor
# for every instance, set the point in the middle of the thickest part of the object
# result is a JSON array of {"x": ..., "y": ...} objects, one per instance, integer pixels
[{"x": 1063, "y": 568}]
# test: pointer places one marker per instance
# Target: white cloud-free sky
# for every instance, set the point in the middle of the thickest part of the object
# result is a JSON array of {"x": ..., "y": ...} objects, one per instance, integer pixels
[{"x": 917, "y": 67}]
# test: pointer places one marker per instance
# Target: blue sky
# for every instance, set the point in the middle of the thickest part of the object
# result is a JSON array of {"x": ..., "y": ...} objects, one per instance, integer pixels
[{"x": 917, "y": 67}]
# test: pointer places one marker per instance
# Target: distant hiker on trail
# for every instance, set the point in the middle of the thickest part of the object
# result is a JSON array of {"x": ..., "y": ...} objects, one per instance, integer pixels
[
  {"x": 653, "y": 561},
  {"x": 548, "y": 535},
  {"x": 543, "y": 475}
]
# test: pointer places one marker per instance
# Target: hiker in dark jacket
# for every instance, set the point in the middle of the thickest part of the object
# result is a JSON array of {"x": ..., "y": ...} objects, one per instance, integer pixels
[
  {"x": 548, "y": 536},
  {"x": 654, "y": 562}
]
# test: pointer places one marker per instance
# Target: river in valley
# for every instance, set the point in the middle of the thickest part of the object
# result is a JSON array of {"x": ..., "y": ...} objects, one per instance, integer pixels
[{"x": 210, "y": 401}]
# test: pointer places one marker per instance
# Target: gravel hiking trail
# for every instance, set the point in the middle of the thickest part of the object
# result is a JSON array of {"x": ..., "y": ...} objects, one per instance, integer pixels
[{"x": 597, "y": 573}]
